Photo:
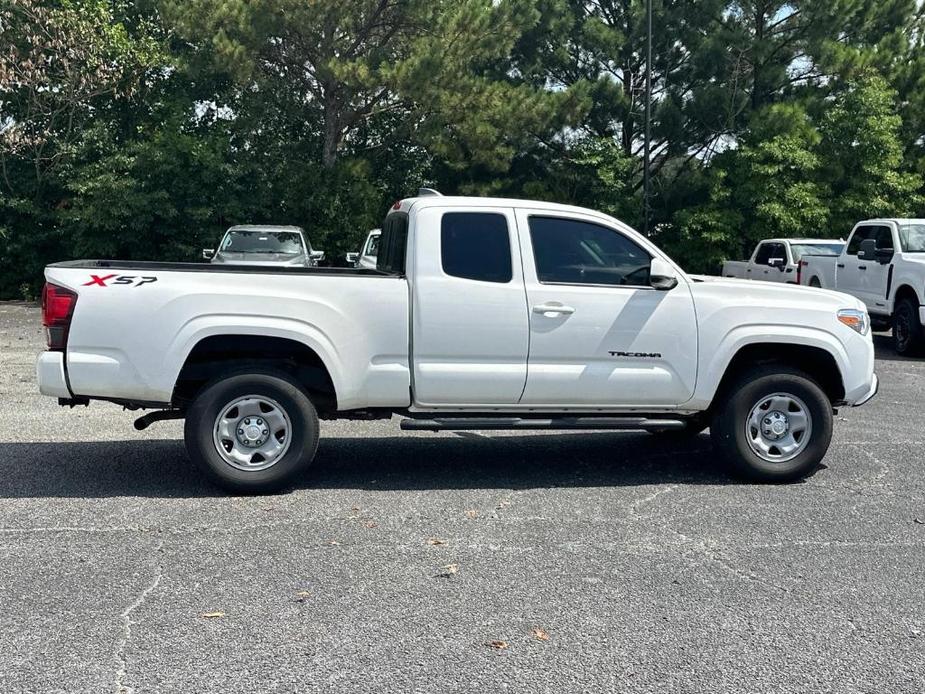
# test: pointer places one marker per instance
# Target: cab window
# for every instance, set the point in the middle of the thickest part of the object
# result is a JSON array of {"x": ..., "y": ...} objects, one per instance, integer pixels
[{"x": 570, "y": 251}]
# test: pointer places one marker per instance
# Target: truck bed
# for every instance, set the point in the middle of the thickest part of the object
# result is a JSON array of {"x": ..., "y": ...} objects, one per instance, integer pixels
[
  {"x": 135, "y": 323},
  {"x": 153, "y": 266}
]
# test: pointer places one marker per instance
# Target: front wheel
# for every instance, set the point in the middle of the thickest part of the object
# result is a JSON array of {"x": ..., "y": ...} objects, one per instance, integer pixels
[
  {"x": 252, "y": 433},
  {"x": 907, "y": 330},
  {"x": 774, "y": 426}
]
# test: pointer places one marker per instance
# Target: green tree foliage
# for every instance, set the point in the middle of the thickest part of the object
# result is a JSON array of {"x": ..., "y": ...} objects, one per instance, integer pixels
[
  {"x": 143, "y": 129},
  {"x": 864, "y": 154}
]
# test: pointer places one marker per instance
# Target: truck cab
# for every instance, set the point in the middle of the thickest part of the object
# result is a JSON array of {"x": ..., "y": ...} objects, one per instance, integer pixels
[
  {"x": 883, "y": 265},
  {"x": 778, "y": 260}
]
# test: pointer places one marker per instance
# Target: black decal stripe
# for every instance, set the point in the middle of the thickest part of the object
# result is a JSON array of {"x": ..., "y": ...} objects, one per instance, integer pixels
[{"x": 889, "y": 281}]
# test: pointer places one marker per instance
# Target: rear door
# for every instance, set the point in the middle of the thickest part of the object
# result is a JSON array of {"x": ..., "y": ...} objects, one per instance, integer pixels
[
  {"x": 469, "y": 329},
  {"x": 600, "y": 335}
]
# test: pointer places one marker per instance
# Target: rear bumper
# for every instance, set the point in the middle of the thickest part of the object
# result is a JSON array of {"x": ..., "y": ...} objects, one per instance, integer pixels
[{"x": 49, "y": 372}]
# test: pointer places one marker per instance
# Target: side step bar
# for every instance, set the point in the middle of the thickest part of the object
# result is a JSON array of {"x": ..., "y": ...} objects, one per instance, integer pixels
[{"x": 502, "y": 423}]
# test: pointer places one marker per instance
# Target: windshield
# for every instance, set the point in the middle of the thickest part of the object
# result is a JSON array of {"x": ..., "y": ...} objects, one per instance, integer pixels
[
  {"x": 243, "y": 241},
  {"x": 801, "y": 249},
  {"x": 912, "y": 238}
]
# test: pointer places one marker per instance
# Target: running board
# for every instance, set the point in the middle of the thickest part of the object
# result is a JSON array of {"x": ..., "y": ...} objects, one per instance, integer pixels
[{"x": 502, "y": 423}]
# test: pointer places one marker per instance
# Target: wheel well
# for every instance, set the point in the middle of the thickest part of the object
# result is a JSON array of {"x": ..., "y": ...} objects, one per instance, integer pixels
[
  {"x": 816, "y": 362},
  {"x": 221, "y": 354},
  {"x": 905, "y": 292}
]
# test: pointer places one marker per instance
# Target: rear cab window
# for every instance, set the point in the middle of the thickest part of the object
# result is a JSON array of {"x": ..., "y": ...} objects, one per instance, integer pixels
[{"x": 476, "y": 246}]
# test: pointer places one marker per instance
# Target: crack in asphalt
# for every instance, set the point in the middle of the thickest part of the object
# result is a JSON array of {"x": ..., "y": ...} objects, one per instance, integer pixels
[
  {"x": 126, "y": 617},
  {"x": 702, "y": 549}
]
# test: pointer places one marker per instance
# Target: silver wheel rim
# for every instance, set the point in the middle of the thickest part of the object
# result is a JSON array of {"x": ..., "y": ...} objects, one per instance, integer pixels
[
  {"x": 252, "y": 433},
  {"x": 779, "y": 427}
]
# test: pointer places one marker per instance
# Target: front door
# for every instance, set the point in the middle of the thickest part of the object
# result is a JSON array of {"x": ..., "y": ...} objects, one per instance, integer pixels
[
  {"x": 600, "y": 335},
  {"x": 469, "y": 330},
  {"x": 849, "y": 268},
  {"x": 873, "y": 275}
]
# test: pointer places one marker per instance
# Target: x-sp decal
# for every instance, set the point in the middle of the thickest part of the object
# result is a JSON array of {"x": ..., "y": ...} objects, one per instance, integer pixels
[{"x": 125, "y": 280}]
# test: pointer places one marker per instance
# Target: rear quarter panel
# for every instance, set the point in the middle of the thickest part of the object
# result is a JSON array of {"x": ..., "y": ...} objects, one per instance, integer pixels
[{"x": 130, "y": 341}]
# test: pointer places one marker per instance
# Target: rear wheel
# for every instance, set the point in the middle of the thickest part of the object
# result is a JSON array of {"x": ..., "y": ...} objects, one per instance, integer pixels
[
  {"x": 775, "y": 425},
  {"x": 252, "y": 433},
  {"x": 814, "y": 282},
  {"x": 907, "y": 330}
]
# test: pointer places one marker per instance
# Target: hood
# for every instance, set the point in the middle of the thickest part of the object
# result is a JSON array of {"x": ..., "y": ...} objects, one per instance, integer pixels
[
  {"x": 773, "y": 294},
  {"x": 264, "y": 259}
]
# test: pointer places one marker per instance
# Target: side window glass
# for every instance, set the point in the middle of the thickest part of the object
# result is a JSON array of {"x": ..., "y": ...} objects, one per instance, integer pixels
[
  {"x": 884, "y": 238},
  {"x": 764, "y": 254},
  {"x": 476, "y": 246},
  {"x": 860, "y": 234},
  {"x": 570, "y": 251}
]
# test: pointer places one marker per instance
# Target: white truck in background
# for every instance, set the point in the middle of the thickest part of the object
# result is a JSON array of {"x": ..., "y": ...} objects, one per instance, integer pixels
[
  {"x": 883, "y": 265},
  {"x": 366, "y": 257},
  {"x": 482, "y": 314},
  {"x": 778, "y": 260}
]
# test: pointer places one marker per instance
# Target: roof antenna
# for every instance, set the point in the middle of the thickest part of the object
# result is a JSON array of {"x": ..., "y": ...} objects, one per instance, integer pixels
[{"x": 424, "y": 192}]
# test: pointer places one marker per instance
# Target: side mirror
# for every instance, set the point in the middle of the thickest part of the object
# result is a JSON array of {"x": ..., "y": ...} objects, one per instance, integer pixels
[
  {"x": 777, "y": 262},
  {"x": 662, "y": 276},
  {"x": 317, "y": 255},
  {"x": 352, "y": 258},
  {"x": 867, "y": 250},
  {"x": 208, "y": 253},
  {"x": 884, "y": 255}
]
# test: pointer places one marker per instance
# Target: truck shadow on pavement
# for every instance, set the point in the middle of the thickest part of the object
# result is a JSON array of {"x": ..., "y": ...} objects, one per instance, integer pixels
[{"x": 161, "y": 468}]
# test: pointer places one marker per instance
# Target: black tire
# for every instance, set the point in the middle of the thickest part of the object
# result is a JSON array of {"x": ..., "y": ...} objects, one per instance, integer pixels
[
  {"x": 201, "y": 419},
  {"x": 814, "y": 282},
  {"x": 732, "y": 413},
  {"x": 907, "y": 330}
]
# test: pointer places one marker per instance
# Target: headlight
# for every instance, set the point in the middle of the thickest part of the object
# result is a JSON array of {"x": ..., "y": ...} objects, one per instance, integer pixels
[{"x": 857, "y": 320}]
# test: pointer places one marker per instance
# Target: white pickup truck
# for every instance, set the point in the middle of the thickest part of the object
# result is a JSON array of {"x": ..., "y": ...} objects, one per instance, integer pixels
[
  {"x": 883, "y": 265},
  {"x": 778, "y": 260},
  {"x": 483, "y": 314}
]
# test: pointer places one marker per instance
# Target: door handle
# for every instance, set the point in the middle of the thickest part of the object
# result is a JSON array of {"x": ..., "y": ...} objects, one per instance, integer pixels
[
  {"x": 839, "y": 265},
  {"x": 862, "y": 267},
  {"x": 551, "y": 309}
]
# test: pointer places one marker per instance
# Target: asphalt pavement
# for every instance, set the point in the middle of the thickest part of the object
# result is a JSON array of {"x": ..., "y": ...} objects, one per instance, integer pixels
[{"x": 481, "y": 562}]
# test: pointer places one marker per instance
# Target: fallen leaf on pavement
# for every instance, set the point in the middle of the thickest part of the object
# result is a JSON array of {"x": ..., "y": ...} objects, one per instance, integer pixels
[
  {"x": 302, "y": 595},
  {"x": 449, "y": 570},
  {"x": 333, "y": 543},
  {"x": 919, "y": 521},
  {"x": 436, "y": 541},
  {"x": 472, "y": 513},
  {"x": 498, "y": 645},
  {"x": 540, "y": 634},
  {"x": 213, "y": 615},
  {"x": 371, "y": 524}
]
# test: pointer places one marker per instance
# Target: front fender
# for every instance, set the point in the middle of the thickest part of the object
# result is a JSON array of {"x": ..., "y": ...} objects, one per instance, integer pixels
[{"x": 716, "y": 362}]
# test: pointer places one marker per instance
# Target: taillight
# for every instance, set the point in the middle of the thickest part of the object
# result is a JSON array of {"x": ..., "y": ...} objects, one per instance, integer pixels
[
  {"x": 57, "y": 308},
  {"x": 800, "y": 264}
]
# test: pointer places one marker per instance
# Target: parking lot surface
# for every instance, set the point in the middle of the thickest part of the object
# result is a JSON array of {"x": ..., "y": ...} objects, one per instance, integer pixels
[{"x": 481, "y": 562}]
